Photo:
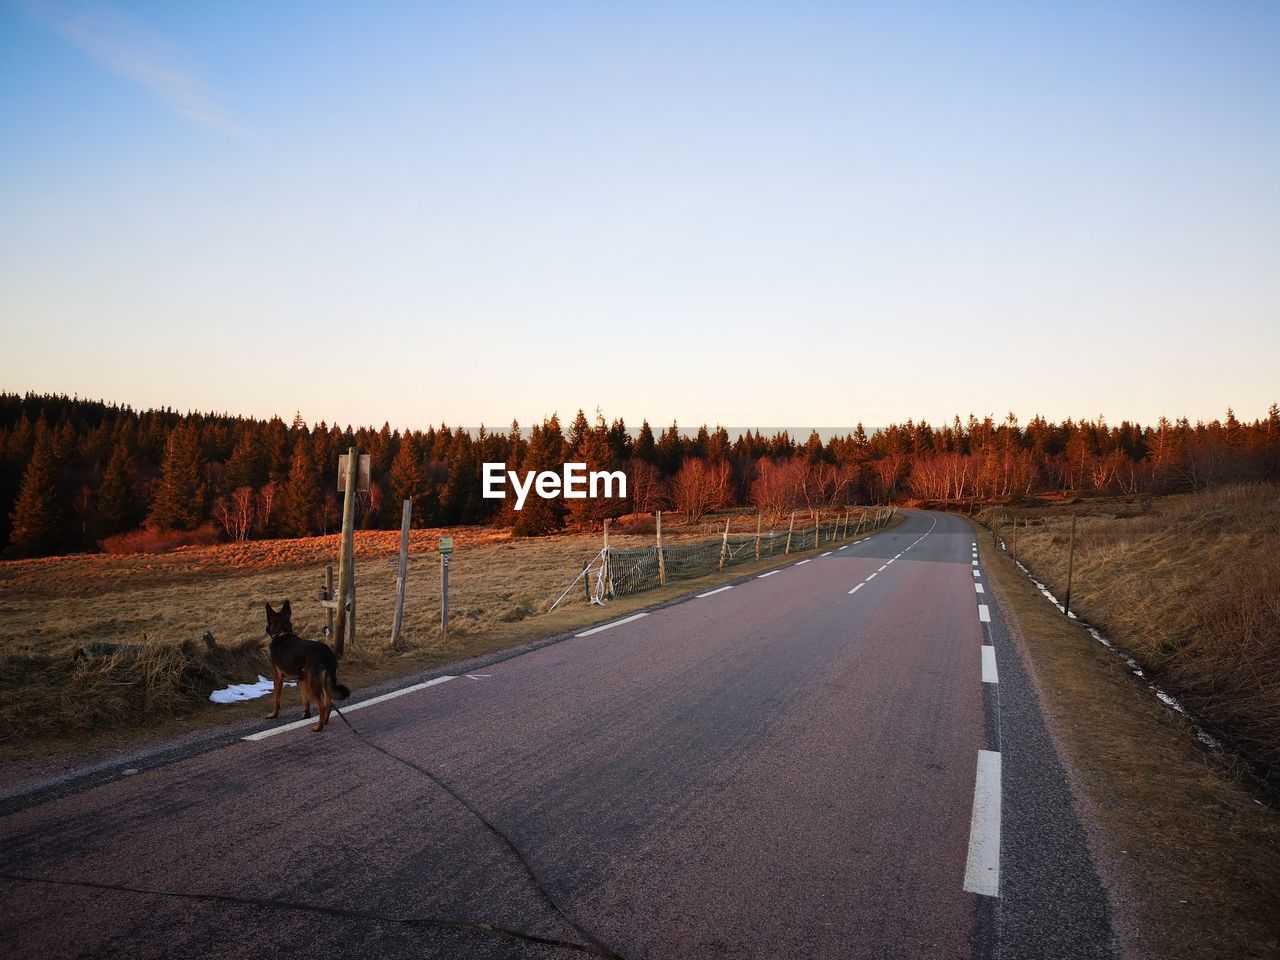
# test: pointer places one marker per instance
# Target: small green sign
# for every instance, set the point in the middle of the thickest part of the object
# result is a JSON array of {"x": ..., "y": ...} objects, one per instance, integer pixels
[{"x": 446, "y": 544}]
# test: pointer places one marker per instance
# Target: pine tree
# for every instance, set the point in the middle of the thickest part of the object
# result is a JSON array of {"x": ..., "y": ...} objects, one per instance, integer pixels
[
  {"x": 645, "y": 448},
  {"x": 179, "y": 502},
  {"x": 406, "y": 480},
  {"x": 302, "y": 496},
  {"x": 249, "y": 462},
  {"x": 540, "y": 516},
  {"x": 460, "y": 500},
  {"x": 37, "y": 519},
  {"x": 579, "y": 430},
  {"x": 117, "y": 510}
]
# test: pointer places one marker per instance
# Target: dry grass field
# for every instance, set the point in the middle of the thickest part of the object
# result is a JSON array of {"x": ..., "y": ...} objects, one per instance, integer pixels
[
  {"x": 1189, "y": 584},
  {"x": 1191, "y": 858},
  {"x": 500, "y": 592}
]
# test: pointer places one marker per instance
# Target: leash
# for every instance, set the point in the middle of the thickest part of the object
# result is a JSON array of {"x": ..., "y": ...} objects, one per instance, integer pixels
[{"x": 592, "y": 945}]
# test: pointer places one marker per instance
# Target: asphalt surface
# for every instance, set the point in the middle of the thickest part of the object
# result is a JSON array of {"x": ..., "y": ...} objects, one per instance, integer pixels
[{"x": 780, "y": 769}]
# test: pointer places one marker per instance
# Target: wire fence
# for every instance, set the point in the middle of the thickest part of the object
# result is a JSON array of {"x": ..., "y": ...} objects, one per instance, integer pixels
[{"x": 633, "y": 571}]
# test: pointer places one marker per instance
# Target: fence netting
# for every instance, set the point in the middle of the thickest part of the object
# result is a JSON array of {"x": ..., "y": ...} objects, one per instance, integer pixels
[{"x": 633, "y": 571}]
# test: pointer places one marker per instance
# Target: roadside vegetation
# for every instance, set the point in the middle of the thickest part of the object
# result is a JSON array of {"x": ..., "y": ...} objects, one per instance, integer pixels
[
  {"x": 102, "y": 642},
  {"x": 1190, "y": 857},
  {"x": 84, "y": 476},
  {"x": 1190, "y": 585}
]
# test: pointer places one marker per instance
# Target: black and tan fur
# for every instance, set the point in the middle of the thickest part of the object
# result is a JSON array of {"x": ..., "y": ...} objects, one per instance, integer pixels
[{"x": 309, "y": 662}]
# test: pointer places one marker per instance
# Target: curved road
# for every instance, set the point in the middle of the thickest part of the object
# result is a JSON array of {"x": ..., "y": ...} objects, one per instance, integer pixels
[{"x": 818, "y": 762}]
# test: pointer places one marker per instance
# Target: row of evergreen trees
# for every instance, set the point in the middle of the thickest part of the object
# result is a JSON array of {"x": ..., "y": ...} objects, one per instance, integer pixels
[{"x": 75, "y": 473}]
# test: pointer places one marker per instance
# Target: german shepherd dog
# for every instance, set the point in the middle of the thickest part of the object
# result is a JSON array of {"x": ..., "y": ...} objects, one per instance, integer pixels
[{"x": 309, "y": 662}]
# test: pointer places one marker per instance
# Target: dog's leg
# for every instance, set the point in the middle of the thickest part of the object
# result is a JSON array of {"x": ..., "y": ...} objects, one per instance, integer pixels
[
  {"x": 324, "y": 701},
  {"x": 277, "y": 680},
  {"x": 304, "y": 685}
]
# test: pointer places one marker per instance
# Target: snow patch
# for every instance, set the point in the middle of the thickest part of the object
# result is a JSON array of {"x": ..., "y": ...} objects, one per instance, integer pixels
[{"x": 245, "y": 691}]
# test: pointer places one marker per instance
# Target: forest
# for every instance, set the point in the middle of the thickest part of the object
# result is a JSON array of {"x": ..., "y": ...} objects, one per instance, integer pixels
[{"x": 81, "y": 475}]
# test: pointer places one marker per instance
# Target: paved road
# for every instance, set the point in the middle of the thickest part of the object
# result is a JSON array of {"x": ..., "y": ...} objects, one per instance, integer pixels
[{"x": 781, "y": 769}]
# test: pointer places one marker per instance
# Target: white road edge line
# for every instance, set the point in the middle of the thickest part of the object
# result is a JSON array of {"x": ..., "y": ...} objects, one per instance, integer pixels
[
  {"x": 984, "y": 613},
  {"x": 872, "y": 577},
  {"x": 882, "y": 567},
  {"x": 975, "y": 563},
  {"x": 827, "y": 554},
  {"x": 285, "y": 728},
  {"x": 989, "y": 674},
  {"x": 982, "y": 867},
  {"x": 978, "y": 588},
  {"x": 857, "y": 588},
  {"x": 769, "y": 574},
  {"x": 712, "y": 593},
  {"x": 610, "y": 626},
  {"x": 803, "y": 562},
  {"x": 977, "y": 572}
]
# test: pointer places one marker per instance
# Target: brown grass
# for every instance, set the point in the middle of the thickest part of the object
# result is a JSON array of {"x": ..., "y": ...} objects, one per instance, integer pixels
[
  {"x": 1192, "y": 861},
  {"x": 500, "y": 591},
  {"x": 1191, "y": 586}
]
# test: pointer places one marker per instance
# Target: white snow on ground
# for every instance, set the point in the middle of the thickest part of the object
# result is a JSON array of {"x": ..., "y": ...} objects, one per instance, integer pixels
[{"x": 245, "y": 691}]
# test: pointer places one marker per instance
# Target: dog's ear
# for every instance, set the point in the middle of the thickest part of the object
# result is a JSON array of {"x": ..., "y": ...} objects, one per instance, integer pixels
[
  {"x": 270, "y": 612},
  {"x": 286, "y": 610}
]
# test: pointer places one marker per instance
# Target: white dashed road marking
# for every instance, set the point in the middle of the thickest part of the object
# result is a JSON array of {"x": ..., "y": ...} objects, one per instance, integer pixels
[
  {"x": 982, "y": 868},
  {"x": 285, "y": 728},
  {"x": 989, "y": 665},
  {"x": 610, "y": 626},
  {"x": 712, "y": 593},
  {"x": 984, "y": 613},
  {"x": 978, "y": 588}
]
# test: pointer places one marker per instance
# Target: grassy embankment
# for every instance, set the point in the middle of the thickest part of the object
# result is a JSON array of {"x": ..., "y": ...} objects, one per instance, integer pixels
[
  {"x": 1191, "y": 586},
  {"x": 500, "y": 591}
]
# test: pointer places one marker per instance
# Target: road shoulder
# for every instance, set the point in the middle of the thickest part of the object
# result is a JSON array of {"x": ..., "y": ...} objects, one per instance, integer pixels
[{"x": 1190, "y": 859}]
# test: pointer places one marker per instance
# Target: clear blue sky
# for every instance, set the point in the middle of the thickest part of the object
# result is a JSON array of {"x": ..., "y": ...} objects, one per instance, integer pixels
[{"x": 751, "y": 213}]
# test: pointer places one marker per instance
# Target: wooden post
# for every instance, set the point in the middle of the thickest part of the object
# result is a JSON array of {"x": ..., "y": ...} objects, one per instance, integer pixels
[
  {"x": 817, "y": 531},
  {"x": 608, "y": 583},
  {"x": 724, "y": 543},
  {"x": 662, "y": 554},
  {"x": 444, "y": 593},
  {"x": 328, "y": 595},
  {"x": 346, "y": 558},
  {"x": 402, "y": 573},
  {"x": 759, "y": 524},
  {"x": 790, "y": 527},
  {"x": 1071, "y": 556}
]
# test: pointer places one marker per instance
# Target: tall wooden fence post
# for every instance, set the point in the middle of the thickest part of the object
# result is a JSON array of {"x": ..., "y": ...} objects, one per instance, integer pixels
[
  {"x": 402, "y": 573},
  {"x": 759, "y": 525},
  {"x": 328, "y": 595},
  {"x": 791, "y": 526},
  {"x": 605, "y": 572},
  {"x": 346, "y": 558},
  {"x": 724, "y": 543},
  {"x": 662, "y": 554},
  {"x": 1071, "y": 556}
]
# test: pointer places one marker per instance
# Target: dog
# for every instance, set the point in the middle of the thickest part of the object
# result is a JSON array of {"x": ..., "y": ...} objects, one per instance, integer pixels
[{"x": 309, "y": 662}]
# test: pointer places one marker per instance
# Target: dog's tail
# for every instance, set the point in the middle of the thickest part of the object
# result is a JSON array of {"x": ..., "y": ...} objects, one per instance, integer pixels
[{"x": 341, "y": 691}]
